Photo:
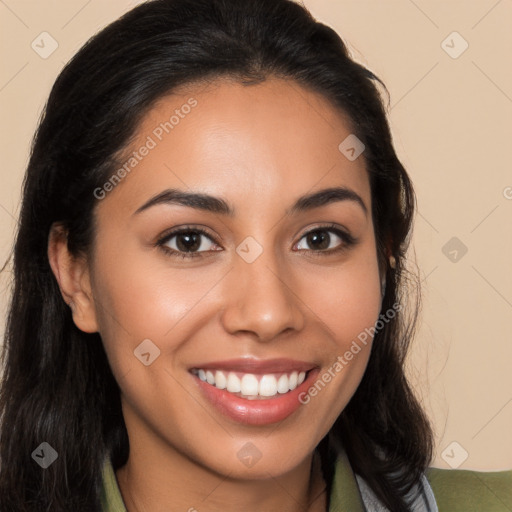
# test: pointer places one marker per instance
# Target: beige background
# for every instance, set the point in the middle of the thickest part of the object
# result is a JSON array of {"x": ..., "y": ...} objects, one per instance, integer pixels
[{"x": 452, "y": 125}]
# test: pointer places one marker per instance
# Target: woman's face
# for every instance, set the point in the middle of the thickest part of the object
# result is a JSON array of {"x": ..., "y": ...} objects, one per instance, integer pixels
[{"x": 281, "y": 280}]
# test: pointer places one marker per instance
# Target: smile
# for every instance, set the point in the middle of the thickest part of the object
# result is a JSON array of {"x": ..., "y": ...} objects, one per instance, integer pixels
[{"x": 252, "y": 386}]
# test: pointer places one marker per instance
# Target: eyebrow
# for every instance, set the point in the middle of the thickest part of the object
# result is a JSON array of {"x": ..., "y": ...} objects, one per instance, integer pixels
[{"x": 218, "y": 205}]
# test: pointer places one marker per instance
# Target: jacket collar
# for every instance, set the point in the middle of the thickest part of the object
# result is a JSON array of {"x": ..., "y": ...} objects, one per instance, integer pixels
[{"x": 345, "y": 495}]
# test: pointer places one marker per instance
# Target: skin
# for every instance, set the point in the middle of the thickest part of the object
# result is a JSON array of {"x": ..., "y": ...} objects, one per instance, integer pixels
[{"x": 259, "y": 147}]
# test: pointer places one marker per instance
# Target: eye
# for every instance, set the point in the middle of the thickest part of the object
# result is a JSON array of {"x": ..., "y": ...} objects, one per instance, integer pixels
[
  {"x": 191, "y": 242},
  {"x": 187, "y": 242},
  {"x": 326, "y": 239}
]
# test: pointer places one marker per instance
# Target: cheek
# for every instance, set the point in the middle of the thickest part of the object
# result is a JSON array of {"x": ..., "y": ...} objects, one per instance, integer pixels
[
  {"x": 346, "y": 302},
  {"x": 346, "y": 298},
  {"x": 140, "y": 297}
]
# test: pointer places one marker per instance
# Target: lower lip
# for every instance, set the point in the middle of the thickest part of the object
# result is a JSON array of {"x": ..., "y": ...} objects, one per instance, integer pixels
[{"x": 256, "y": 412}]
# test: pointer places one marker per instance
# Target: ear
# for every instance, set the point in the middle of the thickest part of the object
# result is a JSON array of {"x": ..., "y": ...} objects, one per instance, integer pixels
[{"x": 73, "y": 277}]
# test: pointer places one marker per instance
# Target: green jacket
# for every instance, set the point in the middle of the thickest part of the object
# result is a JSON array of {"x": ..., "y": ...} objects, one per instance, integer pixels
[{"x": 454, "y": 490}]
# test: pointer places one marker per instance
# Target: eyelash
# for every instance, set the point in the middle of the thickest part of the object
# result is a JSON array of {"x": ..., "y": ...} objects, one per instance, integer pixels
[{"x": 348, "y": 241}]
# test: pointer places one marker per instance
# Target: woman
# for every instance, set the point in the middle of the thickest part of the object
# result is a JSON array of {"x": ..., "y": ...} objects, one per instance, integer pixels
[{"x": 209, "y": 277}]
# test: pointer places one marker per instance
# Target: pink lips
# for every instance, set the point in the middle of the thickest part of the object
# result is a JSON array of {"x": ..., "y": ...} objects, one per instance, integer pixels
[{"x": 256, "y": 412}]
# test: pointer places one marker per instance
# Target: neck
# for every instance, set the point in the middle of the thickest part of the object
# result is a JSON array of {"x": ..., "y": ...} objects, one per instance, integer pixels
[{"x": 151, "y": 483}]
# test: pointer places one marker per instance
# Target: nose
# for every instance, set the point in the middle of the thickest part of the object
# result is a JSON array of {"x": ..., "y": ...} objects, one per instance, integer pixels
[{"x": 262, "y": 299}]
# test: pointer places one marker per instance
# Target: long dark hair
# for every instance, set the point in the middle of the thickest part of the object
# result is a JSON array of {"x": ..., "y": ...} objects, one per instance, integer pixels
[{"x": 57, "y": 385}]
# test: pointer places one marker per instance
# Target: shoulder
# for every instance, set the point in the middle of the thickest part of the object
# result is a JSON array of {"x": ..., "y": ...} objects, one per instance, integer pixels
[{"x": 466, "y": 491}]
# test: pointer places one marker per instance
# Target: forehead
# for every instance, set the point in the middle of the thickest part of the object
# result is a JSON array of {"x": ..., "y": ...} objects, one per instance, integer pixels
[{"x": 250, "y": 143}]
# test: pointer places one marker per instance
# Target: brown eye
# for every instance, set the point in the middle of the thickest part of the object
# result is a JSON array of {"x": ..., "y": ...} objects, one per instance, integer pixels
[
  {"x": 326, "y": 240},
  {"x": 187, "y": 243},
  {"x": 318, "y": 239}
]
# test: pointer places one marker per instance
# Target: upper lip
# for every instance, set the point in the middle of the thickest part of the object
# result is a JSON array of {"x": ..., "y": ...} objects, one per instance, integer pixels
[{"x": 258, "y": 366}]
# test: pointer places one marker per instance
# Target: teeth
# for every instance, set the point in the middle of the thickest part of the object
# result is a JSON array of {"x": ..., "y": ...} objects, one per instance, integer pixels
[
  {"x": 233, "y": 383},
  {"x": 268, "y": 386},
  {"x": 292, "y": 382},
  {"x": 282, "y": 384},
  {"x": 249, "y": 385},
  {"x": 220, "y": 380}
]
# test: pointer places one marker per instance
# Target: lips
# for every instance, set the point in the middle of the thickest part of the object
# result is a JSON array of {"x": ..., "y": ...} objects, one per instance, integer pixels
[{"x": 252, "y": 391}]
